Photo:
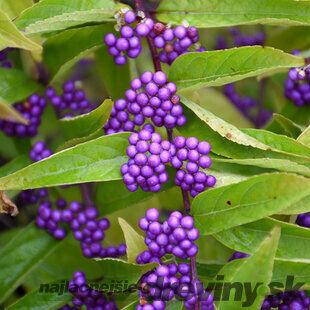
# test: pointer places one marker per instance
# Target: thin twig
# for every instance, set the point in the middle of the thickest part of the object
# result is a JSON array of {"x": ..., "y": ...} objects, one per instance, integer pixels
[{"x": 85, "y": 195}]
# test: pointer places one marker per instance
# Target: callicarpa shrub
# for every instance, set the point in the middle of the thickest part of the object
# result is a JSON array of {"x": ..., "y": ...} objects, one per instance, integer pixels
[{"x": 155, "y": 155}]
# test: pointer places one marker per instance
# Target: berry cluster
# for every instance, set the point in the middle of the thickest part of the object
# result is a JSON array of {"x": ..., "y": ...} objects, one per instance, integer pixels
[
  {"x": 86, "y": 296},
  {"x": 295, "y": 300},
  {"x": 32, "y": 196},
  {"x": 87, "y": 229},
  {"x": 194, "y": 153},
  {"x": 4, "y": 61},
  {"x": 129, "y": 42},
  {"x": 174, "y": 42},
  {"x": 297, "y": 86},
  {"x": 158, "y": 102},
  {"x": 39, "y": 151},
  {"x": 238, "y": 255},
  {"x": 241, "y": 39},
  {"x": 72, "y": 100},
  {"x": 32, "y": 110},
  {"x": 167, "y": 282},
  {"x": 247, "y": 106},
  {"x": 148, "y": 155},
  {"x": 303, "y": 220},
  {"x": 175, "y": 236}
]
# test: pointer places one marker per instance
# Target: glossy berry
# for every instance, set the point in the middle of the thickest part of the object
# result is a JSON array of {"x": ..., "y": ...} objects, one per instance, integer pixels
[
  {"x": 303, "y": 220},
  {"x": 71, "y": 102},
  {"x": 297, "y": 86},
  {"x": 84, "y": 296},
  {"x": 193, "y": 155},
  {"x": 287, "y": 300},
  {"x": 146, "y": 165},
  {"x": 170, "y": 283},
  {"x": 171, "y": 43},
  {"x": 31, "y": 110},
  {"x": 150, "y": 97},
  {"x": 39, "y": 151},
  {"x": 175, "y": 236},
  {"x": 128, "y": 45}
]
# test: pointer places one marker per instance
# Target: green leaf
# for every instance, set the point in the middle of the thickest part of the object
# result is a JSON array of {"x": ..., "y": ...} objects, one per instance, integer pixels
[
  {"x": 86, "y": 124},
  {"x": 301, "y": 206},
  {"x": 289, "y": 127},
  {"x": 11, "y": 36},
  {"x": 116, "y": 78},
  {"x": 219, "y": 13},
  {"x": 7, "y": 112},
  {"x": 255, "y": 270},
  {"x": 15, "y": 85},
  {"x": 278, "y": 142},
  {"x": 205, "y": 97},
  {"x": 14, "y": 165},
  {"x": 247, "y": 201},
  {"x": 52, "y": 15},
  {"x": 64, "y": 50},
  {"x": 117, "y": 269},
  {"x": 293, "y": 245},
  {"x": 297, "y": 36},
  {"x": 21, "y": 255},
  {"x": 94, "y": 161},
  {"x": 304, "y": 137},
  {"x": 134, "y": 241},
  {"x": 175, "y": 305},
  {"x": 225, "y": 129},
  {"x": 216, "y": 68},
  {"x": 59, "y": 266},
  {"x": 299, "y": 271},
  {"x": 208, "y": 271},
  {"x": 227, "y": 140},
  {"x": 43, "y": 300},
  {"x": 12, "y": 9}
]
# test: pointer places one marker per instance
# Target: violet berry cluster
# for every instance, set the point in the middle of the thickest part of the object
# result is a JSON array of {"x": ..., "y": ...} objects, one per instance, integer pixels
[
  {"x": 32, "y": 196},
  {"x": 72, "y": 101},
  {"x": 51, "y": 220},
  {"x": 4, "y": 60},
  {"x": 294, "y": 300},
  {"x": 150, "y": 97},
  {"x": 297, "y": 86},
  {"x": 148, "y": 154},
  {"x": 85, "y": 296},
  {"x": 193, "y": 154},
  {"x": 168, "y": 282},
  {"x": 86, "y": 227},
  {"x": 175, "y": 236},
  {"x": 247, "y": 106},
  {"x": 241, "y": 39},
  {"x": 39, "y": 151},
  {"x": 303, "y": 220},
  {"x": 89, "y": 230},
  {"x": 32, "y": 110},
  {"x": 129, "y": 42},
  {"x": 172, "y": 43}
]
